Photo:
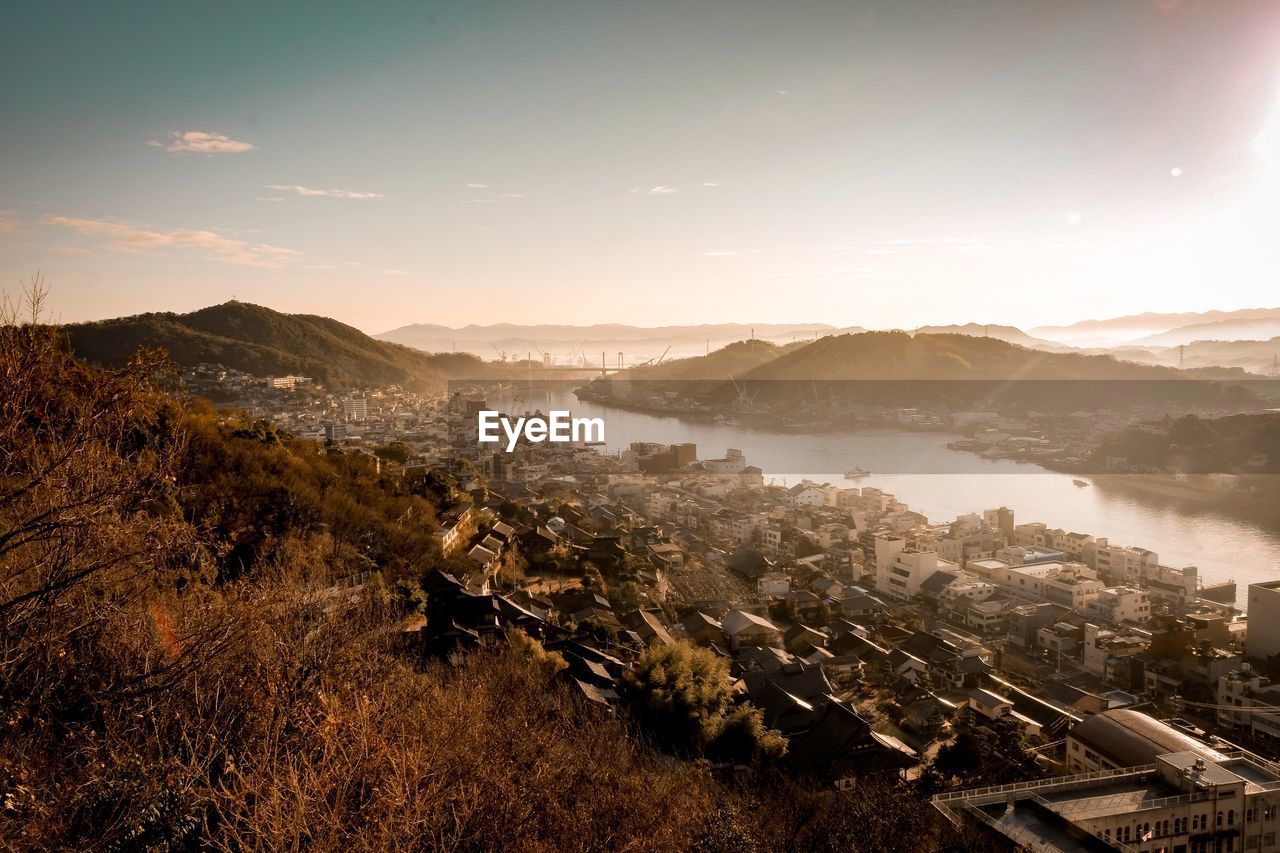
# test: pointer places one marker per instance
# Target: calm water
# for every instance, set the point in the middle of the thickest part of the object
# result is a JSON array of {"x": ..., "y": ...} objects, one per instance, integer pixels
[{"x": 921, "y": 471}]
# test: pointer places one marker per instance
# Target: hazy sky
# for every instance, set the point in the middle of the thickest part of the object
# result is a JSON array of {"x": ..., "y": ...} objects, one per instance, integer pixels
[{"x": 872, "y": 163}]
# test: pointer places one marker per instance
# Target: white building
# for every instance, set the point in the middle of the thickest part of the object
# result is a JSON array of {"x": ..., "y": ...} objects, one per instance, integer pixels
[{"x": 1117, "y": 604}]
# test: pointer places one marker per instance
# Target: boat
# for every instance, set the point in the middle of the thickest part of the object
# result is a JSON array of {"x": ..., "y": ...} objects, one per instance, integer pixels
[
  {"x": 856, "y": 473},
  {"x": 1080, "y": 483}
]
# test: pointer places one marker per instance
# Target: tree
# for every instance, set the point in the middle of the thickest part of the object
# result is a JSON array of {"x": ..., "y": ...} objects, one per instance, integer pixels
[
  {"x": 397, "y": 452},
  {"x": 682, "y": 691}
]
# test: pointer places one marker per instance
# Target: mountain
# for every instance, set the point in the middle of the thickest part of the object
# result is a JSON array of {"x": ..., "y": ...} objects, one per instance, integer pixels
[
  {"x": 899, "y": 356},
  {"x": 1244, "y": 329},
  {"x": 733, "y": 360},
  {"x": 896, "y": 369},
  {"x": 1126, "y": 329},
  {"x": 264, "y": 342},
  {"x": 567, "y": 344}
]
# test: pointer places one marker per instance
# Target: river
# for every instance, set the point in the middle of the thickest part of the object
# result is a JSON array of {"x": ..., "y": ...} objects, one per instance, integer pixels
[{"x": 920, "y": 470}]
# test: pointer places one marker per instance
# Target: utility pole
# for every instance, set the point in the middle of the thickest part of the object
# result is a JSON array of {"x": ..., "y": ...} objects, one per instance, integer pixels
[{"x": 1181, "y": 352}]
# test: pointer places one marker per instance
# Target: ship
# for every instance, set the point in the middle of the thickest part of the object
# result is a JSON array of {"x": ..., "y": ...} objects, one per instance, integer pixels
[
  {"x": 1080, "y": 483},
  {"x": 856, "y": 473}
]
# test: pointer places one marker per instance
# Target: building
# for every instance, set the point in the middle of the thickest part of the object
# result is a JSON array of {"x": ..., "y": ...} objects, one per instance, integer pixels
[
  {"x": 1072, "y": 585},
  {"x": 1264, "y": 620},
  {"x": 1126, "y": 738},
  {"x": 355, "y": 409},
  {"x": 1240, "y": 694},
  {"x": 286, "y": 382},
  {"x": 1116, "y": 604},
  {"x": 1120, "y": 563},
  {"x": 900, "y": 571},
  {"x": 747, "y": 629},
  {"x": 1181, "y": 802}
]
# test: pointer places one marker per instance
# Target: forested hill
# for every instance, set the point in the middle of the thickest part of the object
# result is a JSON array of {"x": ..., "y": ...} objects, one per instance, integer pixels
[
  {"x": 264, "y": 342},
  {"x": 897, "y": 355}
]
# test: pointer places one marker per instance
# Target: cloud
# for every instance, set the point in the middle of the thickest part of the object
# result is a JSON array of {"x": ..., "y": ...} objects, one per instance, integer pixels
[
  {"x": 122, "y": 237},
  {"x": 477, "y": 186},
  {"x": 73, "y": 250},
  {"x": 723, "y": 253},
  {"x": 661, "y": 190},
  {"x": 200, "y": 142},
  {"x": 709, "y": 184},
  {"x": 9, "y": 223},
  {"x": 313, "y": 192},
  {"x": 395, "y": 272}
]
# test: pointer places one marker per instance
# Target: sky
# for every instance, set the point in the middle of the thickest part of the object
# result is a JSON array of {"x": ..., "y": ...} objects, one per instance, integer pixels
[{"x": 882, "y": 164}]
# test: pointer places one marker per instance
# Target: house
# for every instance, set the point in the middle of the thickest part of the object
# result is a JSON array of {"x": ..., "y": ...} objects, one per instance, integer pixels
[
  {"x": 928, "y": 714},
  {"x": 799, "y": 639},
  {"x": 841, "y": 746},
  {"x": 648, "y": 627},
  {"x": 807, "y": 603},
  {"x": 795, "y": 678},
  {"x": 747, "y": 629},
  {"x": 858, "y": 603},
  {"x": 702, "y": 629},
  {"x": 993, "y": 706}
]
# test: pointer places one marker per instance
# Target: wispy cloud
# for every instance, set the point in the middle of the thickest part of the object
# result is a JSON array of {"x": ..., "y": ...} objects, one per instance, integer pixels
[
  {"x": 709, "y": 184},
  {"x": 123, "y": 237},
  {"x": 314, "y": 192},
  {"x": 657, "y": 190},
  {"x": 395, "y": 272},
  {"x": 200, "y": 142},
  {"x": 722, "y": 253},
  {"x": 9, "y": 223},
  {"x": 477, "y": 186}
]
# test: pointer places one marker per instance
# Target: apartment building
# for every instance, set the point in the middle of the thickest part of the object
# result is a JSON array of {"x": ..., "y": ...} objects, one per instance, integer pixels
[{"x": 1116, "y": 604}]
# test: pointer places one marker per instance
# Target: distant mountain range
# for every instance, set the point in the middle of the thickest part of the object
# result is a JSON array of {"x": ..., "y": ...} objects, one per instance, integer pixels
[
  {"x": 575, "y": 344},
  {"x": 264, "y": 342},
  {"x": 1161, "y": 329}
]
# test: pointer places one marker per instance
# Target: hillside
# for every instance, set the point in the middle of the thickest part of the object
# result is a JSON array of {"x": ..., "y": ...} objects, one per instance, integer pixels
[
  {"x": 952, "y": 370},
  {"x": 732, "y": 360},
  {"x": 1008, "y": 334},
  {"x": 264, "y": 342},
  {"x": 1238, "y": 444},
  {"x": 899, "y": 356}
]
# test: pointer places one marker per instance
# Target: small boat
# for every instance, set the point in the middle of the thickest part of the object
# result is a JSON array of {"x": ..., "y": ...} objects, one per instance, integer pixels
[
  {"x": 856, "y": 473},
  {"x": 1080, "y": 483}
]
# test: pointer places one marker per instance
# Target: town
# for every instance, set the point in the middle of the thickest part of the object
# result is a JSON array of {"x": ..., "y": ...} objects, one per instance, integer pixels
[{"x": 1125, "y": 697}]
